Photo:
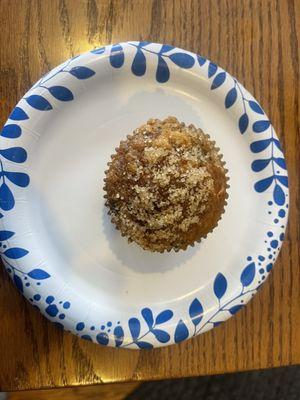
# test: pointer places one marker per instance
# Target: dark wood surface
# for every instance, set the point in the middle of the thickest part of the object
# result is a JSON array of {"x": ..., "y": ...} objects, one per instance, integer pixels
[
  {"x": 255, "y": 40},
  {"x": 113, "y": 391}
]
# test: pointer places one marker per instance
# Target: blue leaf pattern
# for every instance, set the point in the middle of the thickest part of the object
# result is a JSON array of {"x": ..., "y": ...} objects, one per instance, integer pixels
[
  {"x": 201, "y": 60},
  {"x": 18, "y": 178},
  {"x": 18, "y": 114},
  {"x": 117, "y": 56},
  {"x": 182, "y": 60},
  {"x": 5, "y": 235},
  {"x": 218, "y": 80},
  {"x": 163, "y": 317},
  {"x": 148, "y": 316},
  {"x": 260, "y": 126},
  {"x": 162, "y": 72},
  {"x": 161, "y": 336},
  {"x": 220, "y": 285},
  {"x": 61, "y": 93},
  {"x": 231, "y": 97},
  {"x": 81, "y": 72},
  {"x": 263, "y": 184},
  {"x": 243, "y": 123},
  {"x": 196, "y": 312},
  {"x": 134, "y": 327},
  {"x": 119, "y": 335},
  {"x": 260, "y": 145},
  {"x": 38, "y": 102},
  {"x": 181, "y": 332},
  {"x": 7, "y": 200},
  {"x": 14, "y": 154},
  {"x": 15, "y": 253},
  {"x": 248, "y": 274},
  {"x": 21, "y": 179},
  {"x": 212, "y": 69},
  {"x": 278, "y": 195},
  {"x": 256, "y": 107},
  {"x": 138, "y": 67},
  {"x": 259, "y": 165},
  {"x": 11, "y": 131},
  {"x": 38, "y": 274}
]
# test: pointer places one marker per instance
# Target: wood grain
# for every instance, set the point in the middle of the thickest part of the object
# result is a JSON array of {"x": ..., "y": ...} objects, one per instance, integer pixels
[
  {"x": 113, "y": 391},
  {"x": 255, "y": 40}
]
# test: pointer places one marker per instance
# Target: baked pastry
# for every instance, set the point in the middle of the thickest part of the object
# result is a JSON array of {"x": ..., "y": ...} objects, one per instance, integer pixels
[{"x": 165, "y": 185}]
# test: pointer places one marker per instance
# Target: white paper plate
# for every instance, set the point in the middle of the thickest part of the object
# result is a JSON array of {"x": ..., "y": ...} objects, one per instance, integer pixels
[{"x": 57, "y": 242}]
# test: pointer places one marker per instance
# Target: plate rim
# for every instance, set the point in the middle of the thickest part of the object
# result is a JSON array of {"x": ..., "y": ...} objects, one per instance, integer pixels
[{"x": 143, "y": 326}]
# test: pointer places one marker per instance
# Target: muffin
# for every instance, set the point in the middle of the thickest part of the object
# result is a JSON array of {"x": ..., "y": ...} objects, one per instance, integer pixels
[{"x": 165, "y": 185}]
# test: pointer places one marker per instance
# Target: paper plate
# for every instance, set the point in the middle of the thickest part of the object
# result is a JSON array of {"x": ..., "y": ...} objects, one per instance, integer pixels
[{"x": 57, "y": 242}]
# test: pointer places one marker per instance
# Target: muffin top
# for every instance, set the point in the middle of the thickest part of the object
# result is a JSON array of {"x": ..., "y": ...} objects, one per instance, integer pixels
[{"x": 165, "y": 186}]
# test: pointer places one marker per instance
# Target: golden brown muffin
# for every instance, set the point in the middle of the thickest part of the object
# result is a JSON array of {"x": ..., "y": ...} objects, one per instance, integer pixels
[{"x": 166, "y": 185}]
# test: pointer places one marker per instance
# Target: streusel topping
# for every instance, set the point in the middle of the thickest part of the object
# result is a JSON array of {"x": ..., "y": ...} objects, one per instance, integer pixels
[{"x": 163, "y": 183}]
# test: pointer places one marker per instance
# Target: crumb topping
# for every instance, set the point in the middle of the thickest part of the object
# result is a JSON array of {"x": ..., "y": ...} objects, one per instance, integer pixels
[{"x": 166, "y": 185}]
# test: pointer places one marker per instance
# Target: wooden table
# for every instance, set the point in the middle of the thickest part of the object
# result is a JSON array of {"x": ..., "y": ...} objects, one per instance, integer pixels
[{"x": 255, "y": 40}]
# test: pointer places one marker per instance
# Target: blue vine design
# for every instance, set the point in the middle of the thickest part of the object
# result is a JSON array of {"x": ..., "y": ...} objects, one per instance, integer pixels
[
  {"x": 220, "y": 287},
  {"x": 135, "y": 328},
  {"x": 280, "y": 179},
  {"x": 252, "y": 272},
  {"x": 60, "y": 93},
  {"x": 15, "y": 253},
  {"x": 182, "y": 60},
  {"x": 139, "y": 64},
  {"x": 16, "y": 155},
  {"x": 13, "y": 131},
  {"x": 196, "y": 312},
  {"x": 19, "y": 155},
  {"x": 260, "y": 126}
]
